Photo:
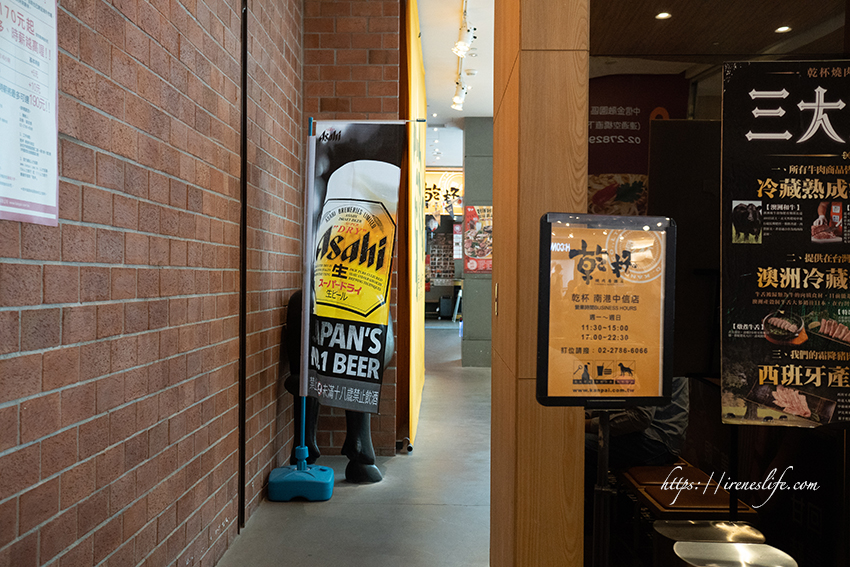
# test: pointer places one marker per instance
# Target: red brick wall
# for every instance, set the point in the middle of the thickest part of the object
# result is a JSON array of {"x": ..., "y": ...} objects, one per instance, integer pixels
[
  {"x": 352, "y": 55},
  {"x": 119, "y": 328},
  {"x": 275, "y": 150}
]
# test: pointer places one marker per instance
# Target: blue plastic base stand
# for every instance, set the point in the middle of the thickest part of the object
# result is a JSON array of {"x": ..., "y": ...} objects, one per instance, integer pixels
[{"x": 314, "y": 483}]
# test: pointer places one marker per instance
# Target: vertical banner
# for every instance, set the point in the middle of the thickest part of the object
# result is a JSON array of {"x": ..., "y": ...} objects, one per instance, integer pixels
[
  {"x": 457, "y": 242},
  {"x": 28, "y": 112},
  {"x": 621, "y": 108},
  {"x": 357, "y": 176},
  {"x": 785, "y": 294},
  {"x": 478, "y": 240}
]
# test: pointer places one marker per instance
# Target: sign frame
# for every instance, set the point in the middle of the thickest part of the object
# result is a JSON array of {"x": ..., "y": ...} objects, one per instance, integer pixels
[{"x": 666, "y": 304}]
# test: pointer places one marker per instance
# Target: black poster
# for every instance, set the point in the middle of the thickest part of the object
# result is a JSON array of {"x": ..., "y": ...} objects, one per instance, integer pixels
[{"x": 785, "y": 298}]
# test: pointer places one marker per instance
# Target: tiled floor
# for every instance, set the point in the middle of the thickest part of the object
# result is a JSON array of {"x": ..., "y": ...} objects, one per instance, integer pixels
[{"x": 431, "y": 510}]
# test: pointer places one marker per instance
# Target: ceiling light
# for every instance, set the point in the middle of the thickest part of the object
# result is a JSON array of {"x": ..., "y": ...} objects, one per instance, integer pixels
[
  {"x": 458, "y": 106},
  {"x": 434, "y": 115},
  {"x": 435, "y": 129},
  {"x": 466, "y": 36},
  {"x": 664, "y": 16},
  {"x": 783, "y": 29},
  {"x": 460, "y": 92}
]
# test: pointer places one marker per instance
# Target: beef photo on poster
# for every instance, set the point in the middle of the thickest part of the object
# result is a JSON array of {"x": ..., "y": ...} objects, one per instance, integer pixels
[{"x": 746, "y": 222}]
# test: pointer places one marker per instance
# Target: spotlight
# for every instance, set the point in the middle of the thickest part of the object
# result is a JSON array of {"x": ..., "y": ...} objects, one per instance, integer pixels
[{"x": 465, "y": 38}]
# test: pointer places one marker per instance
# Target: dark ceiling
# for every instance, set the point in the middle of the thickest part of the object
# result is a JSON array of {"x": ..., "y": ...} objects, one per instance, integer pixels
[{"x": 706, "y": 31}]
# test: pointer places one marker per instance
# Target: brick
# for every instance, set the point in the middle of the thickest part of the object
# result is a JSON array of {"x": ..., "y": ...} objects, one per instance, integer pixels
[
  {"x": 136, "y": 248},
  {"x": 110, "y": 320},
  {"x": 134, "y": 519},
  {"x": 122, "y": 492},
  {"x": 383, "y": 88},
  {"x": 38, "y": 504},
  {"x": 10, "y": 239},
  {"x": 95, "y": 128},
  {"x": 148, "y": 348},
  {"x": 20, "y": 284},
  {"x": 39, "y": 242},
  {"x": 77, "y": 161},
  {"x": 78, "y": 404},
  {"x": 58, "y": 534},
  {"x": 109, "y": 465},
  {"x": 95, "y": 359},
  {"x": 93, "y": 511},
  {"x": 334, "y": 105},
  {"x": 110, "y": 172},
  {"x": 20, "y": 376},
  {"x": 124, "y": 353},
  {"x": 40, "y": 417},
  {"x": 8, "y": 521},
  {"x": 79, "y": 81},
  {"x": 79, "y": 324},
  {"x": 148, "y": 283},
  {"x": 39, "y": 329},
  {"x": 80, "y": 554},
  {"x": 158, "y": 314},
  {"x": 70, "y": 201},
  {"x": 78, "y": 243},
  {"x": 110, "y": 98},
  {"x": 136, "y": 317},
  {"x": 77, "y": 483},
  {"x": 97, "y": 206},
  {"x": 94, "y": 284},
  {"x": 10, "y": 330},
  {"x": 58, "y": 452},
  {"x": 61, "y": 284},
  {"x": 61, "y": 368},
  {"x": 93, "y": 437},
  {"x": 9, "y": 428},
  {"x": 123, "y": 283},
  {"x": 110, "y": 246},
  {"x": 20, "y": 470},
  {"x": 124, "y": 69},
  {"x": 23, "y": 553},
  {"x": 158, "y": 251},
  {"x": 125, "y": 212},
  {"x": 136, "y": 184},
  {"x": 122, "y": 424},
  {"x": 110, "y": 392}
]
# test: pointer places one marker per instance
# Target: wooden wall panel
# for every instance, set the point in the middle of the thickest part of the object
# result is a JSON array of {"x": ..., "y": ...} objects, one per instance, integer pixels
[
  {"x": 505, "y": 237},
  {"x": 550, "y": 480},
  {"x": 503, "y": 477},
  {"x": 555, "y": 25},
  {"x": 553, "y": 169},
  {"x": 506, "y": 38},
  {"x": 540, "y": 165}
]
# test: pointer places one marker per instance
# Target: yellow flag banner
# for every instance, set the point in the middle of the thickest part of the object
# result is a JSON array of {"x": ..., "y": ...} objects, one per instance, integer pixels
[{"x": 356, "y": 180}]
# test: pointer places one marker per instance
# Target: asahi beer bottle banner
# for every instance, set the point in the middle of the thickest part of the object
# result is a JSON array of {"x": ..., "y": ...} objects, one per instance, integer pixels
[
  {"x": 785, "y": 295},
  {"x": 357, "y": 177}
]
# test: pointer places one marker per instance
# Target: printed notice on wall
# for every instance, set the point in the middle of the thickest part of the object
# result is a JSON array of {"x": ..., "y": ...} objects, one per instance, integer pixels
[
  {"x": 603, "y": 332},
  {"x": 28, "y": 119},
  {"x": 786, "y": 267}
]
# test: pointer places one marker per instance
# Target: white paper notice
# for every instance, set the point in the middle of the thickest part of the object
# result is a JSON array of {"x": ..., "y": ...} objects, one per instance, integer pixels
[{"x": 28, "y": 118}]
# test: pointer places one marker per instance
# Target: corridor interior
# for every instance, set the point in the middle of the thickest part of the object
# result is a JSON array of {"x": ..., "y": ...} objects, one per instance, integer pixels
[{"x": 432, "y": 509}]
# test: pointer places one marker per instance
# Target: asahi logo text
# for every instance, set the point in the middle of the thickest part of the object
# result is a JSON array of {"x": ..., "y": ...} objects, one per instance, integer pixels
[
  {"x": 331, "y": 248},
  {"x": 330, "y": 136}
]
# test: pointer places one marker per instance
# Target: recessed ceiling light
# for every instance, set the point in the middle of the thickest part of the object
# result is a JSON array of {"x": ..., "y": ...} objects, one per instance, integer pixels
[
  {"x": 434, "y": 115},
  {"x": 435, "y": 129},
  {"x": 664, "y": 16},
  {"x": 783, "y": 29}
]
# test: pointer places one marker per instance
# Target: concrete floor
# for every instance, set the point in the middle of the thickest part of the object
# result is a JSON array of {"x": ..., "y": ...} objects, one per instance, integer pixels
[{"x": 432, "y": 509}]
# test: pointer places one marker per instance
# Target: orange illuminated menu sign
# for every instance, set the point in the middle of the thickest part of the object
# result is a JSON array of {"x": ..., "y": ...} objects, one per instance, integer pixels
[{"x": 605, "y": 317}]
